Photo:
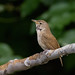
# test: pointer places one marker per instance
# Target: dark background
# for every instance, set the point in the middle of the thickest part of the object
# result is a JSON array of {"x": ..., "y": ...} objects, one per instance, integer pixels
[{"x": 18, "y": 38}]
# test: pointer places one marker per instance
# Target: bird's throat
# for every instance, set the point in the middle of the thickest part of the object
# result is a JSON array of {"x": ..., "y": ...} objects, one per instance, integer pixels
[{"x": 38, "y": 28}]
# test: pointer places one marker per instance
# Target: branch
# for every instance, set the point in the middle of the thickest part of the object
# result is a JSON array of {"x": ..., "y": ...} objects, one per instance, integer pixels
[{"x": 36, "y": 59}]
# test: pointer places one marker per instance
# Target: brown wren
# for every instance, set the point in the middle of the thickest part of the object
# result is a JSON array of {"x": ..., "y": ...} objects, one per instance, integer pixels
[{"x": 45, "y": 38}]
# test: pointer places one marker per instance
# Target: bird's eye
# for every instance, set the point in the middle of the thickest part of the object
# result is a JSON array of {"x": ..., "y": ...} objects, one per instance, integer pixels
[{"x": 40, "y": 23}]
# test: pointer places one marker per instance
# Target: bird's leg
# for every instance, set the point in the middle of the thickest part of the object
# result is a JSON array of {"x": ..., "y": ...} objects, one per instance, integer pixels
[{"x": 60, "y": 59}]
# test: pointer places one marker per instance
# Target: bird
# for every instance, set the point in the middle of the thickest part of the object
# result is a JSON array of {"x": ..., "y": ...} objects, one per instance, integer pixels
[{"x": 45, "y": 38}]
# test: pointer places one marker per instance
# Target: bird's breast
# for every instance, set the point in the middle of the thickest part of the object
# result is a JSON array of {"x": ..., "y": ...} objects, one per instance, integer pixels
[{"x": 40, "y": 42}]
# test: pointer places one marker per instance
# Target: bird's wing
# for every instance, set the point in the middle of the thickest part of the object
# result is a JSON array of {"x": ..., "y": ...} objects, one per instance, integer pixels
[{"x": 50, "y": 41}]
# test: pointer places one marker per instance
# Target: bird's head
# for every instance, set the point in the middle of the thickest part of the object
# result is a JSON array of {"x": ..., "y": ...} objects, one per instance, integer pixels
[{"x": 41, "y": 25}]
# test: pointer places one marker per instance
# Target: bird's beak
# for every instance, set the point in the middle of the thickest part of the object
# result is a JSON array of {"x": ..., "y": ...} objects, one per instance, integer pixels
[{"x": 35, "y": 21}]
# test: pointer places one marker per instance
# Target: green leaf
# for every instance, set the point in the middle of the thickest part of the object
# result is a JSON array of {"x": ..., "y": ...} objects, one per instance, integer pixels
[
  {"x": 62, "y": 20},
  {"x": 5, "y": 50},
  {"x": 67, "y": 38},
  {"x": 56, "y": 22},
  {"x": 6, "y": 53},
  {"x": 59, "y": 8},
  {"x": 67, "y": 18}
]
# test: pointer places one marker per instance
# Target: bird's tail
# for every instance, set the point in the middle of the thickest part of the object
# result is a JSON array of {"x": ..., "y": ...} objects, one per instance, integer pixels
[{"x": 61, "y": 61}]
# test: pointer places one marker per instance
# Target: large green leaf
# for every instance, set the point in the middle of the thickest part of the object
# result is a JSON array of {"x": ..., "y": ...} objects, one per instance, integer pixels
[{"x": 61, "y": 21}]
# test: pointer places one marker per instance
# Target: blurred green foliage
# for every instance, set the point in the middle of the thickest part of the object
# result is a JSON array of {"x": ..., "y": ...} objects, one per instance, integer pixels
[
  {"x": 28, "y": 7},
  {"x": 6, "y": 53},
  {"x": 17, "y": 33}
]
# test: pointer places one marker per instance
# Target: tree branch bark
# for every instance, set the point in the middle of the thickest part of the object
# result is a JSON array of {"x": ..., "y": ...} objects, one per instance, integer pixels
[{"x": 36, "y": 59}]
